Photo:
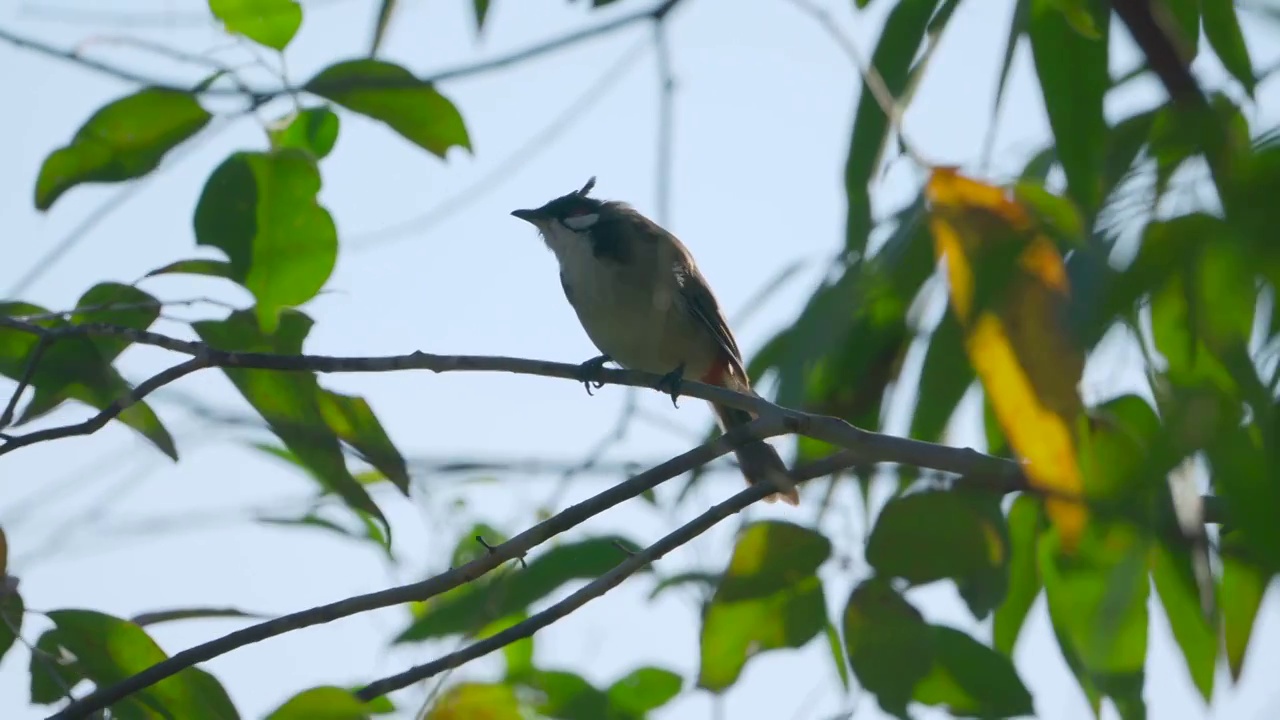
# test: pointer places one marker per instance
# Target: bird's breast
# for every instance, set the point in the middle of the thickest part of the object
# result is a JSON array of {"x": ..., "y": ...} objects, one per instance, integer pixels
[{"x": 636, "y": 315}]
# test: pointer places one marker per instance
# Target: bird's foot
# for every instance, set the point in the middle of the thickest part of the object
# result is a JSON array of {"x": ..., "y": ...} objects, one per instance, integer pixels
[
  {"x": 589, "y": 368},
  {"x": 671, "y": 383}
]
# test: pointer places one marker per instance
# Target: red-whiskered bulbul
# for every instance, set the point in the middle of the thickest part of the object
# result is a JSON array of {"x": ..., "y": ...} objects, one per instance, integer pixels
[{"x": 643, "y": 303}]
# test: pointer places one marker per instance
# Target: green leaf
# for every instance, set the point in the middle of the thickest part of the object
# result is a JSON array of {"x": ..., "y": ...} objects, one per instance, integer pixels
[
  {"x": 1244, "y": 475},
  {"x": 970, "y": 679},
  {"x": 1024, "y": 576},
  {"x": 288, "y": 401},
  {"x": 707, "y": 581},
  {"x": 312, "y": 129},
  {"x": 1244, "y": 584},
  {"x": 944, "y": 379},
  {"x": 391, "y": 94},
  {"x": 159, "y": 616},
  {"x": 369, "y": 529},
  {"x": 903, "y": 32},
  {"x": 770, "y": 597},
  {"x": 12, "y": 611},
  {"x": 642, "y": 690},
  {"x": 891, "y": 649},
  {"x": 196, "y": 266},
  {"x": 1074, "y": 79},
  {"x": 1098, "y": 607},
  {"x": 261, "y": 210},
  {"x": 107, "y": 650},
  {"x": 932, "y": 535},
  {"x": 519, "y": 654},
  {"x": 323, "y": 703},
  {"x": 837, "y": 654},
  {"x": 109, "y": 303},
  {"x": 1186, "y": 13},
  {"x": 353, "y": 421},
  {"x": 1196, "y": 635},
  {"x": 272, "y": 23},
  {"x": 75, "y": 368},
  {"x": 123, "y": 140},
  {"x": 481, "y": 10},
  {"x": 477, "y": 700},
  {"x": 1222, "y": 30},
  {"x": 567, "y": 696},
  {"x": 503, "y": 594}
]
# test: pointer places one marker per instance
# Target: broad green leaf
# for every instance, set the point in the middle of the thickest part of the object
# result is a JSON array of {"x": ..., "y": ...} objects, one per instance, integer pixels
[
  {"x": 313, "y": 129},
  {"x": 1222, "y": 30},
  {"x": 970, "y": 679},
  {"x": 1178, "y": 134},
  {"x": 470, "y": 700},
  {"x": 1024, "y": 575},
  {"x": 288, "y": 400},
  {"x": 196, "y": 266},
  {"x": 123, "y": 140},
  {"x": 1119, "y": 453},
  {"x": 567, "y": 696},
  {"x": 1196, "y": 635},
  {"x": 469, "y": 546},
  {"x": 642, "y": 690},
  {"x": 74, "y": 368},
  {"x": 353, "y": 421},
  {"x": 770, "y": 556},
  {"x": 107, "y": 650},
  {"x": 111, "y": 304},
  {"x": 891, "y": 649},
  {"x": 1074, "y": 78},
  {"x": 704, "y": 580},
  {"x": 12, "y": 610},
  {"x": 944, "y": 379},
  {"x": 519, "y": 654},
  {"x": 1098, "y": 606},
  {"x": 734, "y": 632},
  {"x": 1244, "y": 474},
  {"x": 1124, "y": 141},
  {"x": 323, "y": 703},
  {"x": 391, "y": 94},
  {"x": 932, "y": 535},
  {"x": 1244, "y": 584},
  {"x": 501, "y": 594},
  {"x": 272, "y": 23},
  {"x": 769, "y": 597},
  {"x": 901, "y": 36},
  {"x": 261, "y": 210}
]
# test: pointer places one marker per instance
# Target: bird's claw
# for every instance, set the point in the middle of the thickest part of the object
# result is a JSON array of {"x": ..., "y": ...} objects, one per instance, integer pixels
[
  {"x": 592, "y": 367},
  {"x": 671, "y": 383}
]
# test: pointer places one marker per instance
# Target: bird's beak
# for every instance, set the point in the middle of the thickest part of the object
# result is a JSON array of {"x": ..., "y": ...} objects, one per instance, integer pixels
[{"x": 530, "y": 216}]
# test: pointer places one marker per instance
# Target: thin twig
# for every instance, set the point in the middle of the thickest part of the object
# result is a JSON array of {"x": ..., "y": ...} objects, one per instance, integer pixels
[
  {"x": 654, "y": 13},
  {"x": 33, "y": 361},
  {"x": 587, "y": 593},
  {"x": 569, "y": 518}
]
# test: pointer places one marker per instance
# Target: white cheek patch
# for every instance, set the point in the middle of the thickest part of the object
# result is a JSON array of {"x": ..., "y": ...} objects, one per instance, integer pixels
[{"x": 578, "y": 223}]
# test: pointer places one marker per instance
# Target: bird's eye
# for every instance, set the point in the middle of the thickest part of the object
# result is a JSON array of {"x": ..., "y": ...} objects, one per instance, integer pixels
[{"x": 580, "y": 222}]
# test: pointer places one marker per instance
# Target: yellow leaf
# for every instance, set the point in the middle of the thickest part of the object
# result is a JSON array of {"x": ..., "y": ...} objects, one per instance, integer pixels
[{"x": 1009, "y": 290}]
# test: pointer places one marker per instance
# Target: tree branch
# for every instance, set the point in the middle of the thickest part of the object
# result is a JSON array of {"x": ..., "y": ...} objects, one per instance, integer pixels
[
  {"x": 587, "y": 593},
  {"x": 515, "y": 547},
  {"x": 1163, "y": 55},
  {"x": 259, "y": 96}
]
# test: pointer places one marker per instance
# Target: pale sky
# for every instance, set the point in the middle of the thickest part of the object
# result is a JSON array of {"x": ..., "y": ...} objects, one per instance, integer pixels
[{"x": 764, "y": 103}]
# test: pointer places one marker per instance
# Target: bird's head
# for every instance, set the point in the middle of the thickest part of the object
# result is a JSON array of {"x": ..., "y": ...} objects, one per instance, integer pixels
[{"x": 568, "y": 218}]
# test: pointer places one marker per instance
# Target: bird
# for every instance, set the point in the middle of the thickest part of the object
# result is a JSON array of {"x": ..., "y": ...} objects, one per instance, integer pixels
[{"x": 645, "y": 306}]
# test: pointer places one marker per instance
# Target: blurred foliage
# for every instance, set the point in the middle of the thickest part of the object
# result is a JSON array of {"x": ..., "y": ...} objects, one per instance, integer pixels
[{"x": 1094, "y": 236}]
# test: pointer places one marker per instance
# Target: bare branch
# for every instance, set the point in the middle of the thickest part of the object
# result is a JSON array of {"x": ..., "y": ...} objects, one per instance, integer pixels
[
  {"x": 259, "y": 96},
  {"x": 587, "y": 593},
  {"x": 32, "y": 362},
  {"x": 515, "y": 547}
]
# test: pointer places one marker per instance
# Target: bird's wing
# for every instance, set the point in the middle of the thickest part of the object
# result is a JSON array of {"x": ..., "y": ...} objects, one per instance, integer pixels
[{"x": 702, "y": 303}]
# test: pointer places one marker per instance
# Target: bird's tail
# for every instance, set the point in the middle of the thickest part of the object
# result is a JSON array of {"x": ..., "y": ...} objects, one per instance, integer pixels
[{"x": 759, "y": 461}]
